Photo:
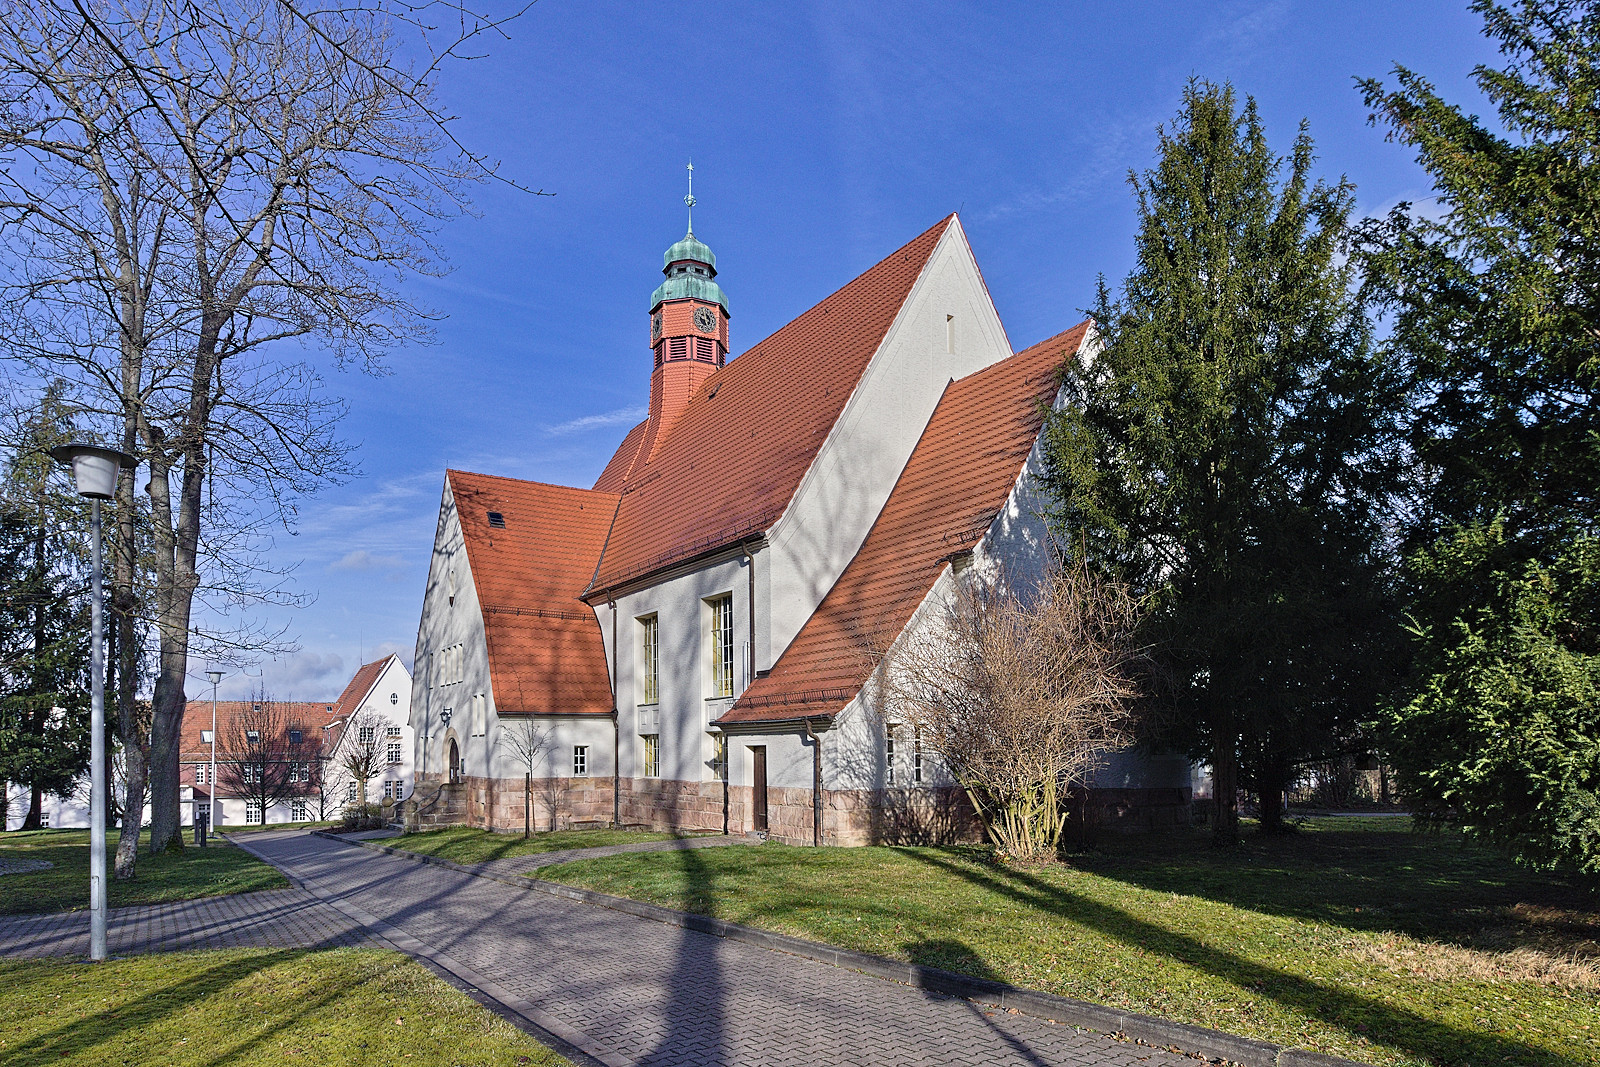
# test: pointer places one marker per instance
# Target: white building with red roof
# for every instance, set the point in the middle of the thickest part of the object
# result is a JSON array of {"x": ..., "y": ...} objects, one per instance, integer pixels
[{"x": 694, "y": 632}]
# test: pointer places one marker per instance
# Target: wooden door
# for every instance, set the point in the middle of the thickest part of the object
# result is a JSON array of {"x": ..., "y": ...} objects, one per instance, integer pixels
[
  {"x": 455, "y": 761},
  {"x": 758, "y": 793}
]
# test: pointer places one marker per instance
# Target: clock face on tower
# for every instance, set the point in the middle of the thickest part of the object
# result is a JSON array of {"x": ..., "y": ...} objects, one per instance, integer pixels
[
  {"x": 655, "y": 327},
  {"x": 705, "y": 320}
]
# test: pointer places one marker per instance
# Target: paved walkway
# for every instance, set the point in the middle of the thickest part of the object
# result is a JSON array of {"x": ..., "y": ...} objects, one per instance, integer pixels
[
  {"x": 273, "y": 918},
  {"x": 629, "y": 991}
]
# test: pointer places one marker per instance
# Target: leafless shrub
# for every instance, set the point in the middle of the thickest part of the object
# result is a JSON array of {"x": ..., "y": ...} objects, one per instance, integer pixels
[
  {"x": 360, "y": 749},
  {"x": 266, "y": 756},
  {"x": 1020, "y": 693},
  {"x": 526, "y": 742}
]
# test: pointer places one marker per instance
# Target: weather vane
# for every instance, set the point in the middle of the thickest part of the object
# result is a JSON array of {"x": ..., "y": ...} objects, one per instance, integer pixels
[{"x": 689, "y": 200}]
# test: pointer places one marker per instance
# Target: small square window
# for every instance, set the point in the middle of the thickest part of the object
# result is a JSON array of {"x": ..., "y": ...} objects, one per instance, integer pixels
[
  {"x": 205, "y": 737},
  {"x": 580, "y": 761},
  {"x": 367, "y": 735},
  {"x": 253, "y": 736},
  {"x": 497, "y": 520},
  {"x": 295, "y": 737},
  {"x": 393, "y": 731}
]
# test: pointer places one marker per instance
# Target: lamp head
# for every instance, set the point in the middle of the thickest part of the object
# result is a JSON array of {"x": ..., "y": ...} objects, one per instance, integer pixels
[
  {"x": 444, "y": 717},
  {"x": 94, "y": 468},
  {"x": 214, "y": 677}
]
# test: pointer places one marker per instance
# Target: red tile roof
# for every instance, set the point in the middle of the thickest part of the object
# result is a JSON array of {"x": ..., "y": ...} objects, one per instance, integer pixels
[
  {"x": 546, "y": 654},
  {"x": 616, "y": 473},
  {"x": 361, "y": 685},
  {"x": 311, "y": 716},
  {"x": 957, "y": 479},
  {"x": 732, "y": 461}
]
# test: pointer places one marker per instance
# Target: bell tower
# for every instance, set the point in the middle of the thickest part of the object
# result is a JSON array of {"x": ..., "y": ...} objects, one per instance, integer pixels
[{"x": 688, "y": 329}]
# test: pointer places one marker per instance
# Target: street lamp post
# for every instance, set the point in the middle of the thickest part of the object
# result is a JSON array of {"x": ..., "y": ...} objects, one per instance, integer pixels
[
  {"x": 94, "y": 470},
  {"x": 211, "y": 780}
]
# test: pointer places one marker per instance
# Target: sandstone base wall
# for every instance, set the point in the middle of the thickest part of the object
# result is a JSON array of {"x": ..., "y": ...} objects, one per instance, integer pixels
[{"x": 921, "y": 816}]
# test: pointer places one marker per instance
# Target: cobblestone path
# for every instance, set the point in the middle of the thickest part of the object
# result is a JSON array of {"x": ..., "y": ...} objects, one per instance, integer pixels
[{"x": 631, "y": 991}]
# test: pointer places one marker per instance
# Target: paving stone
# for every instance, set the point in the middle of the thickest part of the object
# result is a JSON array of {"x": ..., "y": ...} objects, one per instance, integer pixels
[{"x": 647, "y": 993}]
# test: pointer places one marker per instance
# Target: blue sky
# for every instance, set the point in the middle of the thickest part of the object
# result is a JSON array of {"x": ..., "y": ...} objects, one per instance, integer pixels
[{"x": 824, "y": 135}]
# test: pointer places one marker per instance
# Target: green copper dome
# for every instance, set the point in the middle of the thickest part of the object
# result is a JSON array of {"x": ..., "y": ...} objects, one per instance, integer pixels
[
  {"x": 690, "y": 248},
  {"x": 689, "y": 266}
]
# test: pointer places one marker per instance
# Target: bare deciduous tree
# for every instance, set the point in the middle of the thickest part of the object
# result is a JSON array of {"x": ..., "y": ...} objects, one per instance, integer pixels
[
  {"x": 526, "y": 742},
  {"x": 360, "y": 750},
  {"x": 1020, "y": 694},
  {"x": 266, "y": 756},
  {"x": 186, "y": 189}
]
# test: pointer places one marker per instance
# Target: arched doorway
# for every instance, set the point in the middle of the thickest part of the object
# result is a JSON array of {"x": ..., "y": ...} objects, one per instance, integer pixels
[{"x": 455, "y": 761}]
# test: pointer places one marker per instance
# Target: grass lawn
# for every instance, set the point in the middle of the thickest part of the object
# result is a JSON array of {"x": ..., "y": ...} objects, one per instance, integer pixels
[
  {"x": 459, "y": 844},
  {"x": 250, "y": 1007},
  {"x": 1353, "y": 937},
  {"x": 194, "y": 872}
]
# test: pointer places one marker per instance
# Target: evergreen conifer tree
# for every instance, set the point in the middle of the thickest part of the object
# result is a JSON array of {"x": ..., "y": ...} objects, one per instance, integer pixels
[
  {"x": 1496, "y": 313},
  {"x": 1228, "y": 452}
]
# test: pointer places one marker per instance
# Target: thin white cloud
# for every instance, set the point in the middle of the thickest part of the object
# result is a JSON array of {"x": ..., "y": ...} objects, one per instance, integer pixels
[
  {"x": 362, "y": 560},
  {"x": 619, "y": 417}
]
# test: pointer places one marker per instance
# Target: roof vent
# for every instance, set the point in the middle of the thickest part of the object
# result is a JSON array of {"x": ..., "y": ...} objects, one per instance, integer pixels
[{"x": 497, "y": 520}]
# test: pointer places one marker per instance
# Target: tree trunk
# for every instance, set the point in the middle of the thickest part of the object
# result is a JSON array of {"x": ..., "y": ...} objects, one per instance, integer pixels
[
  {"x": 35, "y": 809},
  {"x": 527, "y": 806},
  {"x": 1273, "y": 778},
  {"x": 1225, "y": 773}
]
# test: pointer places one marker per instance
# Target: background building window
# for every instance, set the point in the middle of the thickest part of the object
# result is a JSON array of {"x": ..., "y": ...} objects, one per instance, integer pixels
[
  {"x": 367, "y": 734},
  {"x": 719, "y": 757},
  {"x": 652, "y": 755},
  {"x": 295, "y": 737},
  {"x": 393, "y": 731},
  {"x": 580, "y": 761},
  {"x": 721, "y": 645},
  {"x": 297, "y": 811},
  {"x": 350, "y": 792},
  {"x": 916, "y": 755},
  {"x": 394, "y": 753},
  {"x": 388, "y": 789},
  {"x": 650, "y": 669},
  {"x": 200, "y": 774},
  {"x": 252, "y": 812},
  {"x": 888, "y": 754}
]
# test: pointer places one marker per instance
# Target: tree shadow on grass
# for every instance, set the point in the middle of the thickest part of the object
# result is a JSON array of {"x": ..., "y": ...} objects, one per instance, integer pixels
[
  {"x": 81, "y": 1035},
  {"x": 1385, "y": 1024},
  {"x": 1429, "y": 886}
]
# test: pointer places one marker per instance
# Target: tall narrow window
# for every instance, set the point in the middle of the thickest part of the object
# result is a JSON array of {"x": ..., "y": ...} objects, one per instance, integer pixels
[
  {"x": 721, "y": 645},
  {"x": 719, "y": 757},
  {"x": 480, "y": 724},
  {"x": 916, "y": 755},
  {"x": 652, "y": 755},
  {"x": 650, "y": 665},
  {"x": 888, "y": 754},
  {"x": 949, "y": 333}
]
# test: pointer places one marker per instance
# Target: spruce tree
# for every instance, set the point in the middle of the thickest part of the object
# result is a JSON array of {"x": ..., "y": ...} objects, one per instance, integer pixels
[
  {"x": 44, "y": 619},
  {"x": 1228, "y": 452},
  {"x": 1495, "y": 304}
]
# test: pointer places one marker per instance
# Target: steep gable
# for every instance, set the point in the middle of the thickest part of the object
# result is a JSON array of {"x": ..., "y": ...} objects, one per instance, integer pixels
[
  {"x": 360, "y": 685},
  {"x": 731, "y": 462},
  {"x": 546, "y": 652},
  {"x": 626, "y": 457},
  {"x": 959, "y": 476}
]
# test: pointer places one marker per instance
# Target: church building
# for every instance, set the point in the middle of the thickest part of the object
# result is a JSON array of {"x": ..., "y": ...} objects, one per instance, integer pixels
[{"x": 694, "y": 633}]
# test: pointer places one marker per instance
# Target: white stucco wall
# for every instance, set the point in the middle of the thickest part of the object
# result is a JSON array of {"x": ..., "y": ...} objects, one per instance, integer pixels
[
  {"x": 445, "y": 624},
  {"x": 857, "y": 465}
]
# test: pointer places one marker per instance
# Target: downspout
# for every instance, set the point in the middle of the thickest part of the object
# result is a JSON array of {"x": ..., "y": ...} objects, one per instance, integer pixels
[
  {"x": 616, "y": 726},
  {"x": 816, "y": 784},
  {"x": 727, "y": 749}
]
